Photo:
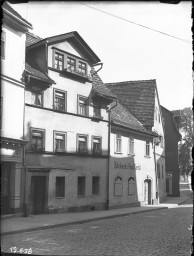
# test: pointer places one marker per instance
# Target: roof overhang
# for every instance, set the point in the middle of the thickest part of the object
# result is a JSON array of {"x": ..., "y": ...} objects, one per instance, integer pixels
[
  {"x": 76, "y": 39},
  {"x": 14, "y": 21}
]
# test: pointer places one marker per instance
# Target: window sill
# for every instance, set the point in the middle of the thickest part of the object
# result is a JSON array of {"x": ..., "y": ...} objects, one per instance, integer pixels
[
  {"x": 147, "y": 156},
  {"x": 81, "y": 196},
  {"x": 118, "y": 153},
  {"x": 131, "y": 154},
  {"x": 60, "y": 197},
  {"x": 95, "y": 194},
  {"x": 76, "y": 75}
]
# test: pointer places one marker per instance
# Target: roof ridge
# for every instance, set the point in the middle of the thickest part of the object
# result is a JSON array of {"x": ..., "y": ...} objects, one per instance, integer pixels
[
  {"x": 33, "y": 35},
  {"x": 131, "y": 81}
]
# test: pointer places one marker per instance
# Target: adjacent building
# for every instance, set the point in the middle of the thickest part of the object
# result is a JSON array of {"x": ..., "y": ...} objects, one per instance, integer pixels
[
  {"x": 142, "y": 100},
  {"x": 172, "y": 138},
  {"x": 132, "y": 176},
  {"x": 14, "y": 29}
]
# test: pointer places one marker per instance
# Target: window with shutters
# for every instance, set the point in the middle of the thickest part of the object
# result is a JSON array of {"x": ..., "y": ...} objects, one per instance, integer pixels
[{"x": 59, "y": 141}]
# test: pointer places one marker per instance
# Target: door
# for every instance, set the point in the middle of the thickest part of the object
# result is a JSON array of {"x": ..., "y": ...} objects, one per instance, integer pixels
[
  {"x": 147, "y": 191},
  {"x": 5, "y": 188},
  {"x": 38, "y": 187}
]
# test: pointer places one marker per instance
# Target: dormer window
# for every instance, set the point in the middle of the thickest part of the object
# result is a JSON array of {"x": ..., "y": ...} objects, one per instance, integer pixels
[
  {"x": 70, "y": 64},
  {"x": 59, "y": 60}
]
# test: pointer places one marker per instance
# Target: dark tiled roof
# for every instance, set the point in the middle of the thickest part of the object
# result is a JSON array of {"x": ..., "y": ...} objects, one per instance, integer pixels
[
  {"x": 7, "y": 7},
  {"x": 138, "y": 97},
  {"x": 99, "y": 87},
  {"x": 121, "y": 116},
  {"x": 34, "y": 72},
  {"x": 32, "y": 39}
]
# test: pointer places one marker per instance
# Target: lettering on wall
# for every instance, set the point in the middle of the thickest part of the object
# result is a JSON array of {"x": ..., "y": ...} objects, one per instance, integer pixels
[{"x": 119, "y": 165}]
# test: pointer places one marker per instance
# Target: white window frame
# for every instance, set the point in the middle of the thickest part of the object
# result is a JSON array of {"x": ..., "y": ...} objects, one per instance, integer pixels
[
  {"x": 147, "y": 146},
  {"x": 35, "y": 90},
  {"x": 55, "y": 96},
  {"x": 118, "y": 144},
  {"x": 64, "y": 134},
  {"x": 131, "y": 146},
  {"x": 100, "y": 143},
  {"x": 82, "y": 104},
  {"x": 79, "y": 138},
  {"x": 37, "y": 130},
  {"x": 54, "y": 59}
]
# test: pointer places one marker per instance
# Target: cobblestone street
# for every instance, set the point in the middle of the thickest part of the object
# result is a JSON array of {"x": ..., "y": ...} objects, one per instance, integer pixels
[{"x": 163, "y": 232}]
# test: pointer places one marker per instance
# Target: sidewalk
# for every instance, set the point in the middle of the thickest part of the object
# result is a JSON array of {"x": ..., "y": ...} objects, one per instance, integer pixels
[{"x": 45, "y": 221}]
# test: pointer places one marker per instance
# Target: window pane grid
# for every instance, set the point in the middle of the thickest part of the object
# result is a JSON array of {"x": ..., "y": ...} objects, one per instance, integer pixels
[
  {"x": 59, "y": 101},
  {"x": 59, "y": 60}
]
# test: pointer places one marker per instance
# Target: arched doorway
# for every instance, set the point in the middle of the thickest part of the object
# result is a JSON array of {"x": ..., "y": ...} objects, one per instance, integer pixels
[{"x": 147, "y": 191}]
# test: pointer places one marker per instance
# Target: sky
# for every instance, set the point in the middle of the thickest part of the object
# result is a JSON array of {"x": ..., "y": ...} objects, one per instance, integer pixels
[{"x": 124, "y": 37}]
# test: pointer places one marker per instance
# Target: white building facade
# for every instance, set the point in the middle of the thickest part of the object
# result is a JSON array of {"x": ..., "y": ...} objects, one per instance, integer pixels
[{"x": 14, "y": 29}]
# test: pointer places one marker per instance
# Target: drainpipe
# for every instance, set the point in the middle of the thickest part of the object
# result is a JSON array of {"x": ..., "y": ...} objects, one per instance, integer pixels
[
  {"x": 109, "y": 131},
  {"x": 24, "y": 164}
]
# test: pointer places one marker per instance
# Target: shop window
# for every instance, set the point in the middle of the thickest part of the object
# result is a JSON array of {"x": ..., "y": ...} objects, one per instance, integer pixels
[
  {"x": 60, "y": 186},
  {"x": 118, "y": 186},
  {"x": 82, "y": 143},
  {"x": 95, "y": 185},
  {"x": 59, "y": 141},
  {"x": 131, "y": 186},
  {"x": 97, "y": 145},
  {"x": 118, "y": 143},
  {"x": 60, "y": 100},
  {"x": 37, "y": 139},
  {"x": 147, "y": 148},
  {"x": 131, "y": 146},
  {"x": 81, "y": 183}
]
